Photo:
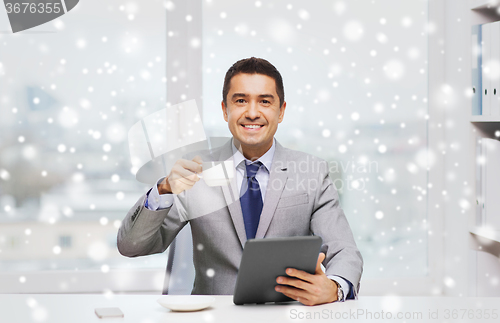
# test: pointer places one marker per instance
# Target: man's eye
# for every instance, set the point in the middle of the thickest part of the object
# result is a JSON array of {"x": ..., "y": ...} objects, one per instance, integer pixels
[
  {"x": 240, "y": 101},
  {"x": 266, "y": 102}
]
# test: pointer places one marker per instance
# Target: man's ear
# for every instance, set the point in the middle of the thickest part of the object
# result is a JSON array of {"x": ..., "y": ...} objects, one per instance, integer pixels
[
  {"x": 224, "y": 110},
  {"x": 282, "y": 112}
]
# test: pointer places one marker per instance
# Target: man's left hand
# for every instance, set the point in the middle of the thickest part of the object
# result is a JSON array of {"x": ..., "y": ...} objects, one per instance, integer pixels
[{"x": 309, "y": 289}]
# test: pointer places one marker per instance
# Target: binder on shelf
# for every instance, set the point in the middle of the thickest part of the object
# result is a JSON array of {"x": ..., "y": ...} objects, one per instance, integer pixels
[
  {"x": 485, "y": 68},
  {"x": 491, "y": 183},
  {"x": 476, "y": 70},
  {"x": 495, "y": 69}
]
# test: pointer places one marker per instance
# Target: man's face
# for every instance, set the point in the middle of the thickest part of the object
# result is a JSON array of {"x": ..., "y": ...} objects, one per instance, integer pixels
[{"x": 253, "y": 112}]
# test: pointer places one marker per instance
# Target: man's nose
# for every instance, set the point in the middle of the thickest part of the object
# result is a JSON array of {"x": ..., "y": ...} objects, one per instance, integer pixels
[{"x": 253, "y": 111}]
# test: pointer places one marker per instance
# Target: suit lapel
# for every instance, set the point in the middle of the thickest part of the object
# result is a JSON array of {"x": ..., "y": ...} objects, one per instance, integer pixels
[
  {"x": 277, "y": 179},
  {"x": 231, "y": 194}
]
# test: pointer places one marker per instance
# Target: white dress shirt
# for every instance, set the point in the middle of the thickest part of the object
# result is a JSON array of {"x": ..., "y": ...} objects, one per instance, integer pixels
[{"x": 262, "y": 175}]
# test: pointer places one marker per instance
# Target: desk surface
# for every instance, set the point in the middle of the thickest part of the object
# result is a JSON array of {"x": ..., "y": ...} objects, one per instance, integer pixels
[{"x": 65, "y": 308}]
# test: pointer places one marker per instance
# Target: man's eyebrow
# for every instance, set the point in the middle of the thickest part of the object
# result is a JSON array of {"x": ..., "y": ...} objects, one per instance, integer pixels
[
  {"x": 261, "y": 96},
  {"x": 236, "y": 95}
]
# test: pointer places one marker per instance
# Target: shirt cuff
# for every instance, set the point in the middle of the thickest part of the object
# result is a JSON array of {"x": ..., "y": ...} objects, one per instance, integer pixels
[
  {"x": 155, "y": 201},
  {"x": 343, "y": 283}
]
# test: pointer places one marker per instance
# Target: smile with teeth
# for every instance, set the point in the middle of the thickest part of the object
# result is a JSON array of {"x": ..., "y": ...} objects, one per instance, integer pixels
[{"x": 252, "y": 126}]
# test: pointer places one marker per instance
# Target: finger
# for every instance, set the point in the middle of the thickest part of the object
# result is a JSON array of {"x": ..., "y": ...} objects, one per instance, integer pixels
[
  {"x": 292, "y": 292},
  {"x": 197, "y": 159},
  {"x": 321, "y": 257},
  {"x": 180, "y": 183},
  {"x": 190, "y": 165},
  {"x": 188, "y": 178},
  {"x": 282, "y": 291},
  {"x": 183, "y": 181},
  {"x": 178, "y": 186},
  {"x": 297, "y": 283},
  {"x": 300, "y": 274},
  {"x": 178, "y": 171},
  {"x": 286, "y": 293}
]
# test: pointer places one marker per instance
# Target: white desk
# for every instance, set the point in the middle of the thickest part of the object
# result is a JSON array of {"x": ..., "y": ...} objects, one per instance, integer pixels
[{"x": 18, "y": 308}]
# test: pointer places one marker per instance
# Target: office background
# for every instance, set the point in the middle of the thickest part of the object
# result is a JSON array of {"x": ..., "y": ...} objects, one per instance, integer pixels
[{"x": 380, "y": 89}]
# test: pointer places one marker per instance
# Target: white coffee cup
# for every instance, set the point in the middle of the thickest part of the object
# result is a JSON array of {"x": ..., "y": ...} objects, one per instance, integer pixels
[{"x": 218, "y": 173}]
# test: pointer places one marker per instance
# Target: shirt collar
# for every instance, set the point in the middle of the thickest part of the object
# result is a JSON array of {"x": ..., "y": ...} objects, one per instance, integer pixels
[{"x": 266, "y": 159}]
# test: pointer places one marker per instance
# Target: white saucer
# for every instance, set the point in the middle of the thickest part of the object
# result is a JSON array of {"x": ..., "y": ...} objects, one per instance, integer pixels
[{"x": 186, "y": 303}]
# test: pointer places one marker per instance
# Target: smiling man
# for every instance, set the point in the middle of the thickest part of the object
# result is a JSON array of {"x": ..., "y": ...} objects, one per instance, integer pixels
[
  {"x": 253, "y": 113},
  {"x": 281, "y": 193}
]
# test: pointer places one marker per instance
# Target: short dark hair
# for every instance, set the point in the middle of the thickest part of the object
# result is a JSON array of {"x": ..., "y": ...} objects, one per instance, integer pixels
[{"x": 254, "y": 65}]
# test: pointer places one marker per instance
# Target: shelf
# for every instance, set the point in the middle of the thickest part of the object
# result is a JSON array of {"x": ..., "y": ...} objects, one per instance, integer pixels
[
  {"x": 485, "y": 240},
  {"x": 485, "y": 233},
  {"x": 488, "y": 126},
  {"x": 484, "y": 11},
  {"x": 485, "y": 119},
  {"x": 483, "y": 4}
]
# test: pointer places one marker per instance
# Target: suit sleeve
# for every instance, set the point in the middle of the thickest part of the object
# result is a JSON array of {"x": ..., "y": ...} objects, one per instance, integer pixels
[
  {"x": 144, "y": 232},
  {"x": 330, "y": 223}
]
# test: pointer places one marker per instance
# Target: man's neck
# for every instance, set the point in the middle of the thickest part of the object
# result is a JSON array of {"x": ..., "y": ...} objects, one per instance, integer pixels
[{"x": 252, "y": 153}]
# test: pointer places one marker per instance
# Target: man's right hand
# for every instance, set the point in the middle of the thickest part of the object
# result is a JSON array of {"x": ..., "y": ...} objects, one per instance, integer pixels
[{"x": 183, "y": 176}]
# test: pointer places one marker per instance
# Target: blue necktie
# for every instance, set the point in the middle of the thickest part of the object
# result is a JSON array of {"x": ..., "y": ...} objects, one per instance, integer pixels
[{"x": 251, "y": 200}]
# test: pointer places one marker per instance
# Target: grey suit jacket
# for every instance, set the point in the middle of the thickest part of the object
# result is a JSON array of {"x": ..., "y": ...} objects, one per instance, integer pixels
[{"x": 300, "y": 200}]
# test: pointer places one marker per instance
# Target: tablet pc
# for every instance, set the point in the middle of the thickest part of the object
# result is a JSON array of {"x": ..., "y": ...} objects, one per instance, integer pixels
[{"x": 264, "y": 260}]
